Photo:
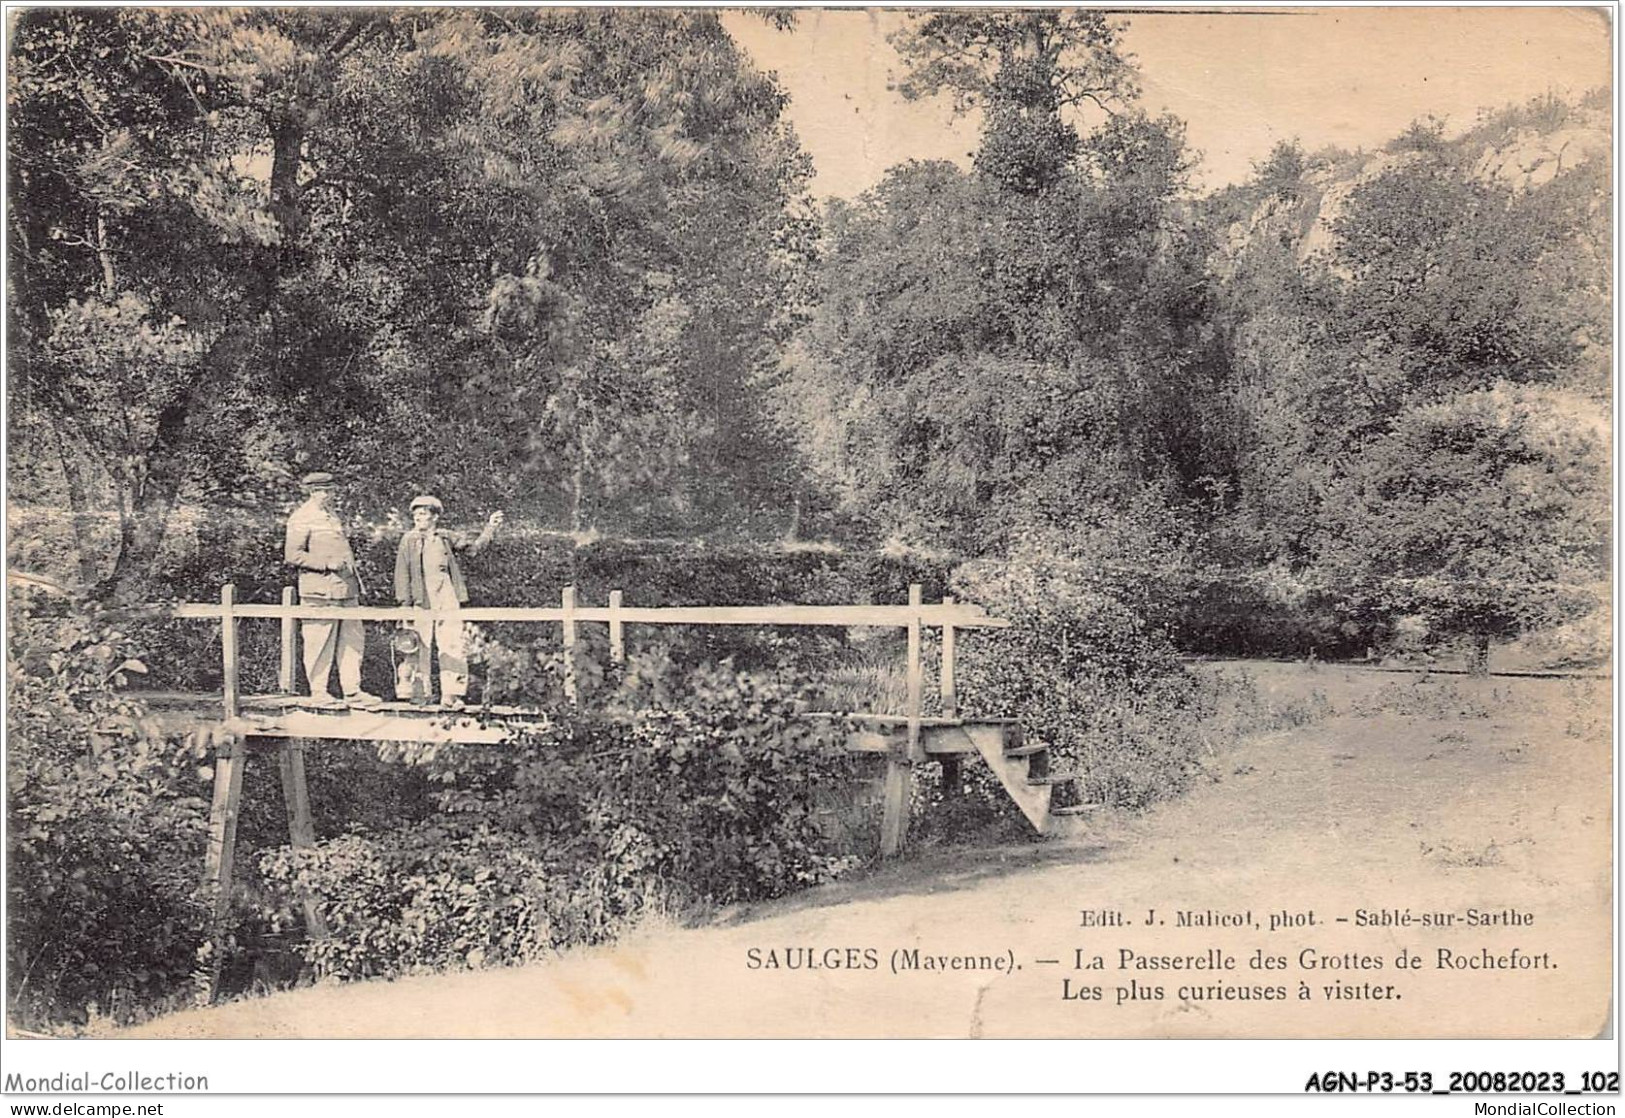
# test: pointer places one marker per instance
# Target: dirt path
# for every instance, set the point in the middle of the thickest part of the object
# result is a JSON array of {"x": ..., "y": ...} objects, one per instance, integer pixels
[{"x": 1440, "y": 796}]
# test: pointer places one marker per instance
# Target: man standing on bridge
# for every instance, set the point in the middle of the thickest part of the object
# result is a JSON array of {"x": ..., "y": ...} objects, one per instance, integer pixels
[
  {"x": 317, "y": 547},
  {"x": 427, "y": 577}
]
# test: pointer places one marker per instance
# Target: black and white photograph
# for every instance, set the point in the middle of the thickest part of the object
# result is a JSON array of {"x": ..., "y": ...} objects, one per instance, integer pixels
[{"x": 592, "y": 523}]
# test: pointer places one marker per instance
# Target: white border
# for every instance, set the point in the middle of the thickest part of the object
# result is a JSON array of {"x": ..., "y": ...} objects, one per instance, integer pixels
[{"x": 1147, "y": 1067}]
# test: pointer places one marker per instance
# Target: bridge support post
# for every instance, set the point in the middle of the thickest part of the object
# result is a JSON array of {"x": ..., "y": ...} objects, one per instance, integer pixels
[
  {"x": 916, "y": 675},
  {"x": 301, "y": 831},
  {"x": 229, "y": 757},
  {"x": 895, "y": 803}
]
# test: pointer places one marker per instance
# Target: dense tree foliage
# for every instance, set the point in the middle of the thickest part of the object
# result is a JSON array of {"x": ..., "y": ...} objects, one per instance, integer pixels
[
  {"x": 559, "y": 261},
  {"x": 1021, "y": 69},
  {"x": 1017, "y": 346},
  {"x": 1413, "y": 355},
  {"x": 530, "y": 258},
  {"x": 1464, "y": 516}
]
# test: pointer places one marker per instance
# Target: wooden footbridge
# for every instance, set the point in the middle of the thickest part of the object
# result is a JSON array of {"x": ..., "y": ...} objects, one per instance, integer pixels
[{"x": 237, "y": 724}]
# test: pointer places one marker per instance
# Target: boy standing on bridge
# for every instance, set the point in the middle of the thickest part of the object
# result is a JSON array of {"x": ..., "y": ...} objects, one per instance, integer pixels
[
  {"x": 427, "y": 577},
  {"x": 317, "y": 547}
]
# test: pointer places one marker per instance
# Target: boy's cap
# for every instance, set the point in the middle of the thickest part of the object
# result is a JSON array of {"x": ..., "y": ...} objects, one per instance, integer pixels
[
  {"x": 312, "y": 482},
  {"x": 427, "y": 502}
]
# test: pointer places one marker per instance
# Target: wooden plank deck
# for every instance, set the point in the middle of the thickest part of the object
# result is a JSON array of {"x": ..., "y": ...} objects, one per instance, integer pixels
[{"x": 293, "y": 716}]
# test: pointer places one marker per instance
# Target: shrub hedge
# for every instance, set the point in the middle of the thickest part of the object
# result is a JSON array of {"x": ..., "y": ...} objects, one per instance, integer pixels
[
  {"x": 579, "y": 826},
  {"x": 106, "y": 821},
  {"x": 1087, "y": 669}
]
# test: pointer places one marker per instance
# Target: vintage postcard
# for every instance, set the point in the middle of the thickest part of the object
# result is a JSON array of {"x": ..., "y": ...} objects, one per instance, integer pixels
[{"x": 908, "y": 523}]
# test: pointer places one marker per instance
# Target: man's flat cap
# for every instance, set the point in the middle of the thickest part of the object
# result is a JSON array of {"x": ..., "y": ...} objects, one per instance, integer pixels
[
  {"x": 317, "y": 481},
  {"x": 427, "y": 502}
]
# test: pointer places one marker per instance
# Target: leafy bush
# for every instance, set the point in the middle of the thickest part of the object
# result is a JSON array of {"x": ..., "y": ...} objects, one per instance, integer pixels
[
  {"x": 106, "y": 827},
  {"x": 728, "y": 781},
  {"x": 1085, "y": 668},
  {"x": 441, "y": 894},
  {"x": 1268, "y": 613},
  {"x": 1473, "y": 517},
  {"x": 568, "y": 834}
]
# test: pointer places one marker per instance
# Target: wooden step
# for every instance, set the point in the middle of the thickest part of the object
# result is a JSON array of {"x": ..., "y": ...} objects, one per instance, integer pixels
[
  {"x": 1076, "y": 809},
  {"x": 1012, "y": 768},
  {"x": 1066, "y": 776}
]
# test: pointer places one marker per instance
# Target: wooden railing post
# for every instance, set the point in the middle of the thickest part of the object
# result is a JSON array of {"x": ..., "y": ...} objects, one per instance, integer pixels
[
  {"x": 916, "y": 673},
  {"x": 287, "y": 676},
  {"x": 951, "y": 781},
  {"x": 617, "y": 639},
  {"x": 567, "y": 601},
  {"x": 900, "y": 767},
  {"x": 228, "y": 648},
  {"x": 423, "y": 684}
]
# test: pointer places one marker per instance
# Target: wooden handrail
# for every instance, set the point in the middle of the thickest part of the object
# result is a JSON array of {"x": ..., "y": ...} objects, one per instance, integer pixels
[{"x": 884, "y": 616}]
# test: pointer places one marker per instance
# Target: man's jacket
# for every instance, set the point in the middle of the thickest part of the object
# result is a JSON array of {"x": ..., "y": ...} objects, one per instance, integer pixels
[
  {"x": 411, "y": 586},
  {"x": 316, "y": 546}
]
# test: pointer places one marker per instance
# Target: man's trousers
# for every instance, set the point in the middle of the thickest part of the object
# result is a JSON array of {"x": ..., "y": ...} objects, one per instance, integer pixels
[
  {"x": 448, "y": 634},
  {"x": 326, "y": 641}
]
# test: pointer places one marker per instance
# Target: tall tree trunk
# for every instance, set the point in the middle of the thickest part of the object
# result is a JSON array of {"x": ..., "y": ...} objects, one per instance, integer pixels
[
  {"x": 287, "y": 144},
  {"x": 793, "y": 532},
  {"x": 578, "y": 485},
  {"x": 78, "y": 508},
  {"x": 146, "y": 504},
  {"x": 104, "y": 256}
]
